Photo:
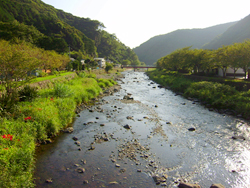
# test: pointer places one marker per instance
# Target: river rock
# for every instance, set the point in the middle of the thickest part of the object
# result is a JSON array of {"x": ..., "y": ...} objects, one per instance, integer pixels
[
  {"x": 217, "y": 186},
  {"x": 238, "y": 137},
  {"x": 85, "y": 182},
  {"x": 92, "y": 148},
  {"x": 130, "y": 117},
  {"x": 77, "y": 143},
  {"x": 126, "y": 97},
  {"x": 75, "y": 138},
  {"x": 188, "y": 185},
  {"x": 102, "y": 124},
  {"x": 158, "y": 179},
  {"x": 127, "y": 126},
  {"x": 49, "y": 180},
  {"x": 191, "y": 129},
  {"x": 122, "y": 170},
  {"x": 68, "y": 130},
  {"x": 80, "y": 170},
  {"x": 117, "y": 165},
  {"x": 113, "y": 183}
]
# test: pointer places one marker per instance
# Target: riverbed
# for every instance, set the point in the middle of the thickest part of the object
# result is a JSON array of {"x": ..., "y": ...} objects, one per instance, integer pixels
[{"x": 144, "y": 135}]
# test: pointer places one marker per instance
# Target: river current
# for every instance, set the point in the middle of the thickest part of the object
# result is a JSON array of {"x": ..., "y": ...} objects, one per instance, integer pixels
[{"x": 126, "y": 144}]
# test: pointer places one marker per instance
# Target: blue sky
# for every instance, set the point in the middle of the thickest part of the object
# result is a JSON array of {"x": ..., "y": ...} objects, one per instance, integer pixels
[{"x": 136, "y": 21}]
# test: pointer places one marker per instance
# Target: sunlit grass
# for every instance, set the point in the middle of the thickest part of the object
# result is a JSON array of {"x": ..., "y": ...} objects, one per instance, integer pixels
[{"x": 50, "y": 77}]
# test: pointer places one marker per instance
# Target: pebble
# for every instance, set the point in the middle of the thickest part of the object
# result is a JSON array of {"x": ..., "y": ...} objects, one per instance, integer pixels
[
  {"x": 85, "y": 182},
  {"x": 117, "y": 165},
  {"x": 49, "y": 180},
  {"x": 80, "y": 170},
  {"x": 191, "y": 129}
]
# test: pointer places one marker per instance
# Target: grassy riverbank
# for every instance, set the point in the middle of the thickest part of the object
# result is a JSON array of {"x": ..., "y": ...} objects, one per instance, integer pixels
[
  {"x": 221, "y": 97},
  {"x": 38, "y": 120}
]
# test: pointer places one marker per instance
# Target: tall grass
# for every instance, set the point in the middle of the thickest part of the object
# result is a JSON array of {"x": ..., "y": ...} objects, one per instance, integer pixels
[{"x": 39, "y": 120}]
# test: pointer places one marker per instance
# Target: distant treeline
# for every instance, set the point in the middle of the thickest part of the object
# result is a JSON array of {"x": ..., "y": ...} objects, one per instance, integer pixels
[{"x": 234, "y": 56}]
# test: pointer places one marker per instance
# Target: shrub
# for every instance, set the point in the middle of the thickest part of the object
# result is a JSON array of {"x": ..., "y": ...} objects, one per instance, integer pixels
[
  {"x": 27, "y": 93},
  {"x": 8, "y": 104},
  {"x": 62, "y": 90}
]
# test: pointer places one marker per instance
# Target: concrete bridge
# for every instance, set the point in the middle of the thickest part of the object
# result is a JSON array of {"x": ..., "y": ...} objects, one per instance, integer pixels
[{"x": 137, "y": 67}]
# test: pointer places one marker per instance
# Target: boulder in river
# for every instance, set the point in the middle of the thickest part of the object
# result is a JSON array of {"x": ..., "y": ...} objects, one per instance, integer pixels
[
  {"x": 68, "y": 130},
  {"x": 127, "y": 97},
  {"x": 80, "y": 170},
  {"x": 188, "y": 185},
  {"x": 238, "y": 137},
  {"x": 127, "y": 126},
  {"x": 158, "y": 179},
  {"x": 191, "y": 129},
  {"x": 217, "y": 186}
]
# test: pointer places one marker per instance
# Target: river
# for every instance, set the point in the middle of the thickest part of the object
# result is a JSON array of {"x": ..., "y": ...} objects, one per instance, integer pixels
[{"x": 125, "y": 143}]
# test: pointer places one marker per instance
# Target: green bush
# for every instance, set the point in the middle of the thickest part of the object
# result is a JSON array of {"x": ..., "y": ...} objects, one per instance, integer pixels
[
  {"x": 8, "y": 104},
  {"x": 27, "y": 93},
  {"x": 62, "y": 90}
]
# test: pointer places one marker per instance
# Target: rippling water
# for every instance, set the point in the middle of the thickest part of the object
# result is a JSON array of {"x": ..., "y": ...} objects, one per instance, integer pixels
[{"x": 160, "y": 122}]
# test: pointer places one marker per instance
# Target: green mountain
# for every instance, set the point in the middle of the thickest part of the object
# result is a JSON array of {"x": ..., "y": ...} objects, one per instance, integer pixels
[
  {"x": 236, "y": 33},
  {"x": 58, "y": 30},
  {"x": 162, "y": 45}
]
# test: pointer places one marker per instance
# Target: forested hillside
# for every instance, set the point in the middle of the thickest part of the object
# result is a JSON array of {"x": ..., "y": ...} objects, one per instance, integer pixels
[
  {"x": 159, "y": 46},
  {"x": 237, "y": 33},
  {"x": 53, "y": 29}
]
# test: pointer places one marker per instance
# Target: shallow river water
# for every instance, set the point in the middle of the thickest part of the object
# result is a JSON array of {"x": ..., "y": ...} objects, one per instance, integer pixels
[{"x": 158, "y": 143}]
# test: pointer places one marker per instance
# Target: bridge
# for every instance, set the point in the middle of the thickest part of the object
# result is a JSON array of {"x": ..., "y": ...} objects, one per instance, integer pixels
[{"x": 137, "y": 67}]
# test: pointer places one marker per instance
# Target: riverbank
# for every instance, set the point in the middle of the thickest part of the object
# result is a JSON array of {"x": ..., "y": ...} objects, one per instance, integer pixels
[
  {"x": 144, "y": 135},
  {"x": 215, "y": 96},
  {"x": 38, "y": 121}
]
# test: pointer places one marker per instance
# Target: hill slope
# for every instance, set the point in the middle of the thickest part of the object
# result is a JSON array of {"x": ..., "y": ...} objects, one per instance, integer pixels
[
  {"x": 237, "y": 33},
  {"x": 58, "y": 30},
  {"x": 159, "y": 46}
]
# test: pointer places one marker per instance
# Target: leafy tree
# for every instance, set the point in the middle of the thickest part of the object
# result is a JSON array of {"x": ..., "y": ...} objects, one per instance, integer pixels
[
  {"x": 222, "y": 59},
  {"x": 126, "y": 62},
  {"x": 16, "y": 64},
  {"x": 108, "y": 67},
  {"x": 245, "y": 56},
  {"x": 234, "y": 56}
]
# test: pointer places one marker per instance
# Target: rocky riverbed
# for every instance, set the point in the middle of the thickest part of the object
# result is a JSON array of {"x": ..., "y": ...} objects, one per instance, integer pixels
[{"x": 142, "y": 135}]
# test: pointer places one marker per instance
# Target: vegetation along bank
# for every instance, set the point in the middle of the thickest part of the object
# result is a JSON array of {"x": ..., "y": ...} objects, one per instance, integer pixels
[
  {"x": 37, "y": 117},
  {"x": 216, "y": 96}
]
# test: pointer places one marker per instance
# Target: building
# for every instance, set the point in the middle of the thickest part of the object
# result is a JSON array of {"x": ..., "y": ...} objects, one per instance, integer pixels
[{"x": 101, "y": 62}]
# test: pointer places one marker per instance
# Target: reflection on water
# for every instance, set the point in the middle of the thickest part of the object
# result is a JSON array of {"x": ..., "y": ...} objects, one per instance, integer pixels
[{"x": 158, "y": 143}]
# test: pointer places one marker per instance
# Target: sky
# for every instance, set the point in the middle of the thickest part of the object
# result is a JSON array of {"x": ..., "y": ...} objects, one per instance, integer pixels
[{"x": 136, "y": 21}]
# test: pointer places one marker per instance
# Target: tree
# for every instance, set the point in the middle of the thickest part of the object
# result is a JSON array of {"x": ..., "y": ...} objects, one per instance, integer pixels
[
  {"x": 222, "y": 59},
  {"x": 126, "y": 62},
  {"x": 245, "y": 56},
  {"x": 108, "y": 67},
  {"x": 234, "y": 56},
  {"x": 17, "y": 62}
]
